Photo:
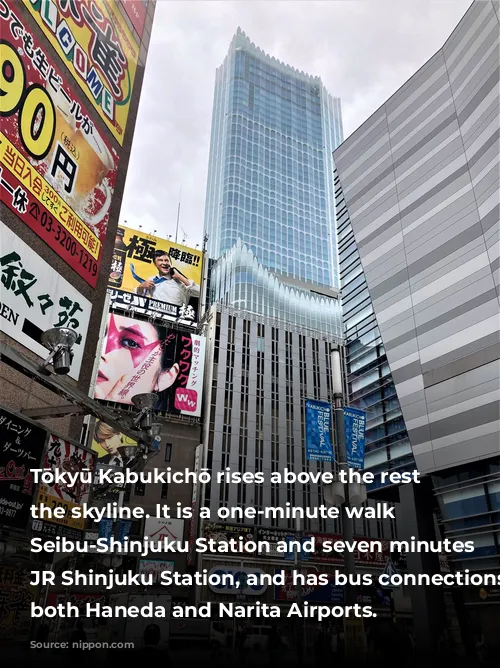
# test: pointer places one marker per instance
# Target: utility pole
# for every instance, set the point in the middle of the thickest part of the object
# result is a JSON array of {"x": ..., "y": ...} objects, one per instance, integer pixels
[
  {"x": 298, "y": 569},
  {"x": 347, "y": 523},
  {"x": 354, "y": 634}
]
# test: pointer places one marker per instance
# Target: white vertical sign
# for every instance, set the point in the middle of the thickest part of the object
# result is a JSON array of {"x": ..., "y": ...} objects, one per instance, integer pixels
[{"x": 34, "y": 298}]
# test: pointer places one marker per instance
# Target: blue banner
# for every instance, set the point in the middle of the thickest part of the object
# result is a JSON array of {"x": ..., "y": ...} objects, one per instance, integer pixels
[
  {"x": 292, "y": 549},
  {"x": 106, "y": 529},
  {"x": 318, "y": 423},
  {"x": 355, "y": 428},
  {"x": 123, "y": 530}
]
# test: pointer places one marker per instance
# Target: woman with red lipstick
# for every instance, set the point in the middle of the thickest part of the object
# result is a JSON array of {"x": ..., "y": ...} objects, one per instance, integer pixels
[{"x": 136, "y": 357}]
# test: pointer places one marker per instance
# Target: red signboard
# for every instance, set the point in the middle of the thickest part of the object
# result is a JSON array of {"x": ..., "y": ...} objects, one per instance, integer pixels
[
  {"x": 136, "y": 11},
  {"x": 57, "y": 173}
]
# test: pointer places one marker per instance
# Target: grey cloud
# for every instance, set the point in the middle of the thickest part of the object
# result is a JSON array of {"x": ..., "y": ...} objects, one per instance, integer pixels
[{"x": 363, "y": 50}]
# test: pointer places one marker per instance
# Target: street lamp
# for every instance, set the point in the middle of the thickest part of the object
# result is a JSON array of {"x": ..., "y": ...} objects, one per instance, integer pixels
[{"x": 347, "y": 523}]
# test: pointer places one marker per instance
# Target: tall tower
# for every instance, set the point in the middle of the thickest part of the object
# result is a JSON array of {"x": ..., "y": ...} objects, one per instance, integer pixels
[{"x": 270, "y": 180}]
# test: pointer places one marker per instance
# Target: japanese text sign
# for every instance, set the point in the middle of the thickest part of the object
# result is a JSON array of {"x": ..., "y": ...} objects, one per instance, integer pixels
[
  {"x": 95, "y": 44},
  {"x": 138, "y": 356},
  {"x": 222, "y": 533},
  {"x": 355, "y": 427},
  {"x": 154, "y": 568},
  {"x": 64, "y": 456},
  {"x": 318, "y": 422},
  {"x": 56, "y": 172},
  {"x": 16, "y": 598},
  {"x": 21, "y": 449},
  {"x": 154, "y": 276},
  {"x": 136, "y": 11},
  {"x": 34, "y": 298}
]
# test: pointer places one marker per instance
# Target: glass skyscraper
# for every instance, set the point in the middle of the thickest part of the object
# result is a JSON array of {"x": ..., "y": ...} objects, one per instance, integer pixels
[{"x": 270, "y": 178}]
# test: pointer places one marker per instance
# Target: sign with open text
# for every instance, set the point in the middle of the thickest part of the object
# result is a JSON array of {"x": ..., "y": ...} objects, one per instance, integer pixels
[
  {"x": 21, "y": 449},
  {"x": 57, "y": 171},
  {"x": 94, "y": 42}
]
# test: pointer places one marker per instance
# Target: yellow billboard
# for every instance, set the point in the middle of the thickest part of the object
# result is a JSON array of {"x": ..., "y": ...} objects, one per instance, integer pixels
[
  {"x": 111, "y": 446},
  {"x": 97, "y": 47},
  {"x": 155, "y": 276}
]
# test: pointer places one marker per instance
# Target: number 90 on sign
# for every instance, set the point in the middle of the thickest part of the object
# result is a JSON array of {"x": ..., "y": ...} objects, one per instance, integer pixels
[{"x": 37, "y": 115}]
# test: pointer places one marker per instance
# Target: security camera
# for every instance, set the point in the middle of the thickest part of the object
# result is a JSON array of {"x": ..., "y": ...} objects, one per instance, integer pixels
[
  {"x": 145, "y": 403},
  {"x": 60, "y": 341}
]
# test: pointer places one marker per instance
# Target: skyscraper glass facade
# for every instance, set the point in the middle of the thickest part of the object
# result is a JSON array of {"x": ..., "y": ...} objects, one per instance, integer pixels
[{"x": 270, "y": 179}]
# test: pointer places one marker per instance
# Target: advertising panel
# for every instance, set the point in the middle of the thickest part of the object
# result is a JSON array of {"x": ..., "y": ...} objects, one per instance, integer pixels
[
  {"x": 158, "y": 529},
  {"x": 154, "y": 276},
  {"x": 57, "y": 172},
  {"x": 112, "y": 447},
  {"x": 222, "y": 533},
  {"x": 237, "y": 583},
  {"x": 21, "y": 449},
  {"x": 318, "y": 422},
  {"x": 139, "y": 356},
  {"x": 94, "y": 42},
  {"x": 16, "y": 597},
  {"x": 80, "y": 600},
  {"x": 329, "y": 593},
  {"x": 136, "y": 11},
  {"x": 35, "y": 298},
  {"x": 154, "y": 568},
  {"x": 273, "y": 537},
  {"x": 369, "y": 559},
  {"x": 355, "y": 426},
  {"x": 64, "y": 456}
]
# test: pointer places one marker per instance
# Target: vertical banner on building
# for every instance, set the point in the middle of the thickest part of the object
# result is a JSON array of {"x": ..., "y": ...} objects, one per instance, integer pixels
[
  {"x": 193, "y": 524},
  {"x": 123, "y": 530},
  {"x": 355, "y": 427},
  {"x": 64, "y": 456},
  {"x": 34, "y": 298},
  {"x": 21, "y": 449},
  {"x": 106, "y": 526},
  {"x": 16, "y": 596},
  {"x": 318, "y": 425},
  {"x": 94, "y": 42}
]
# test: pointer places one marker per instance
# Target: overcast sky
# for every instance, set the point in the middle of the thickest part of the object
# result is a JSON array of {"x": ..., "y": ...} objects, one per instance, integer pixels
[{"x": 362, "y": 49}]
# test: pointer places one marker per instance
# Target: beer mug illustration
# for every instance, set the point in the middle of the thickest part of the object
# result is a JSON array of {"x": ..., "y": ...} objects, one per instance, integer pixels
[{"x": 80, "y": 181}]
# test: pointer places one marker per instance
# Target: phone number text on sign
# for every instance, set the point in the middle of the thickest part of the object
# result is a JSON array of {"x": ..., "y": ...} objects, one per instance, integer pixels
[
  {"x": 94, "y": 42},
  {"x": 57, "y": 172}
]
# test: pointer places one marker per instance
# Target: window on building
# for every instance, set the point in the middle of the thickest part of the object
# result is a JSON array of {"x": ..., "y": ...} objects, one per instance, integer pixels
[
  {"x": 139, "y": 489},
  {"x": 164, "y": 490},
  {"x": 168, "y": 452}
]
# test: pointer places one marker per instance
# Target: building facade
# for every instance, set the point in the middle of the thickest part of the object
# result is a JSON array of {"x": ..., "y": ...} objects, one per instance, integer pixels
[
  {"x": 420, "y": 180},
  {"x": 370, "y": 386},
  {"x": 78, "y": 70},
  {"x": 270, "y": 180}
]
